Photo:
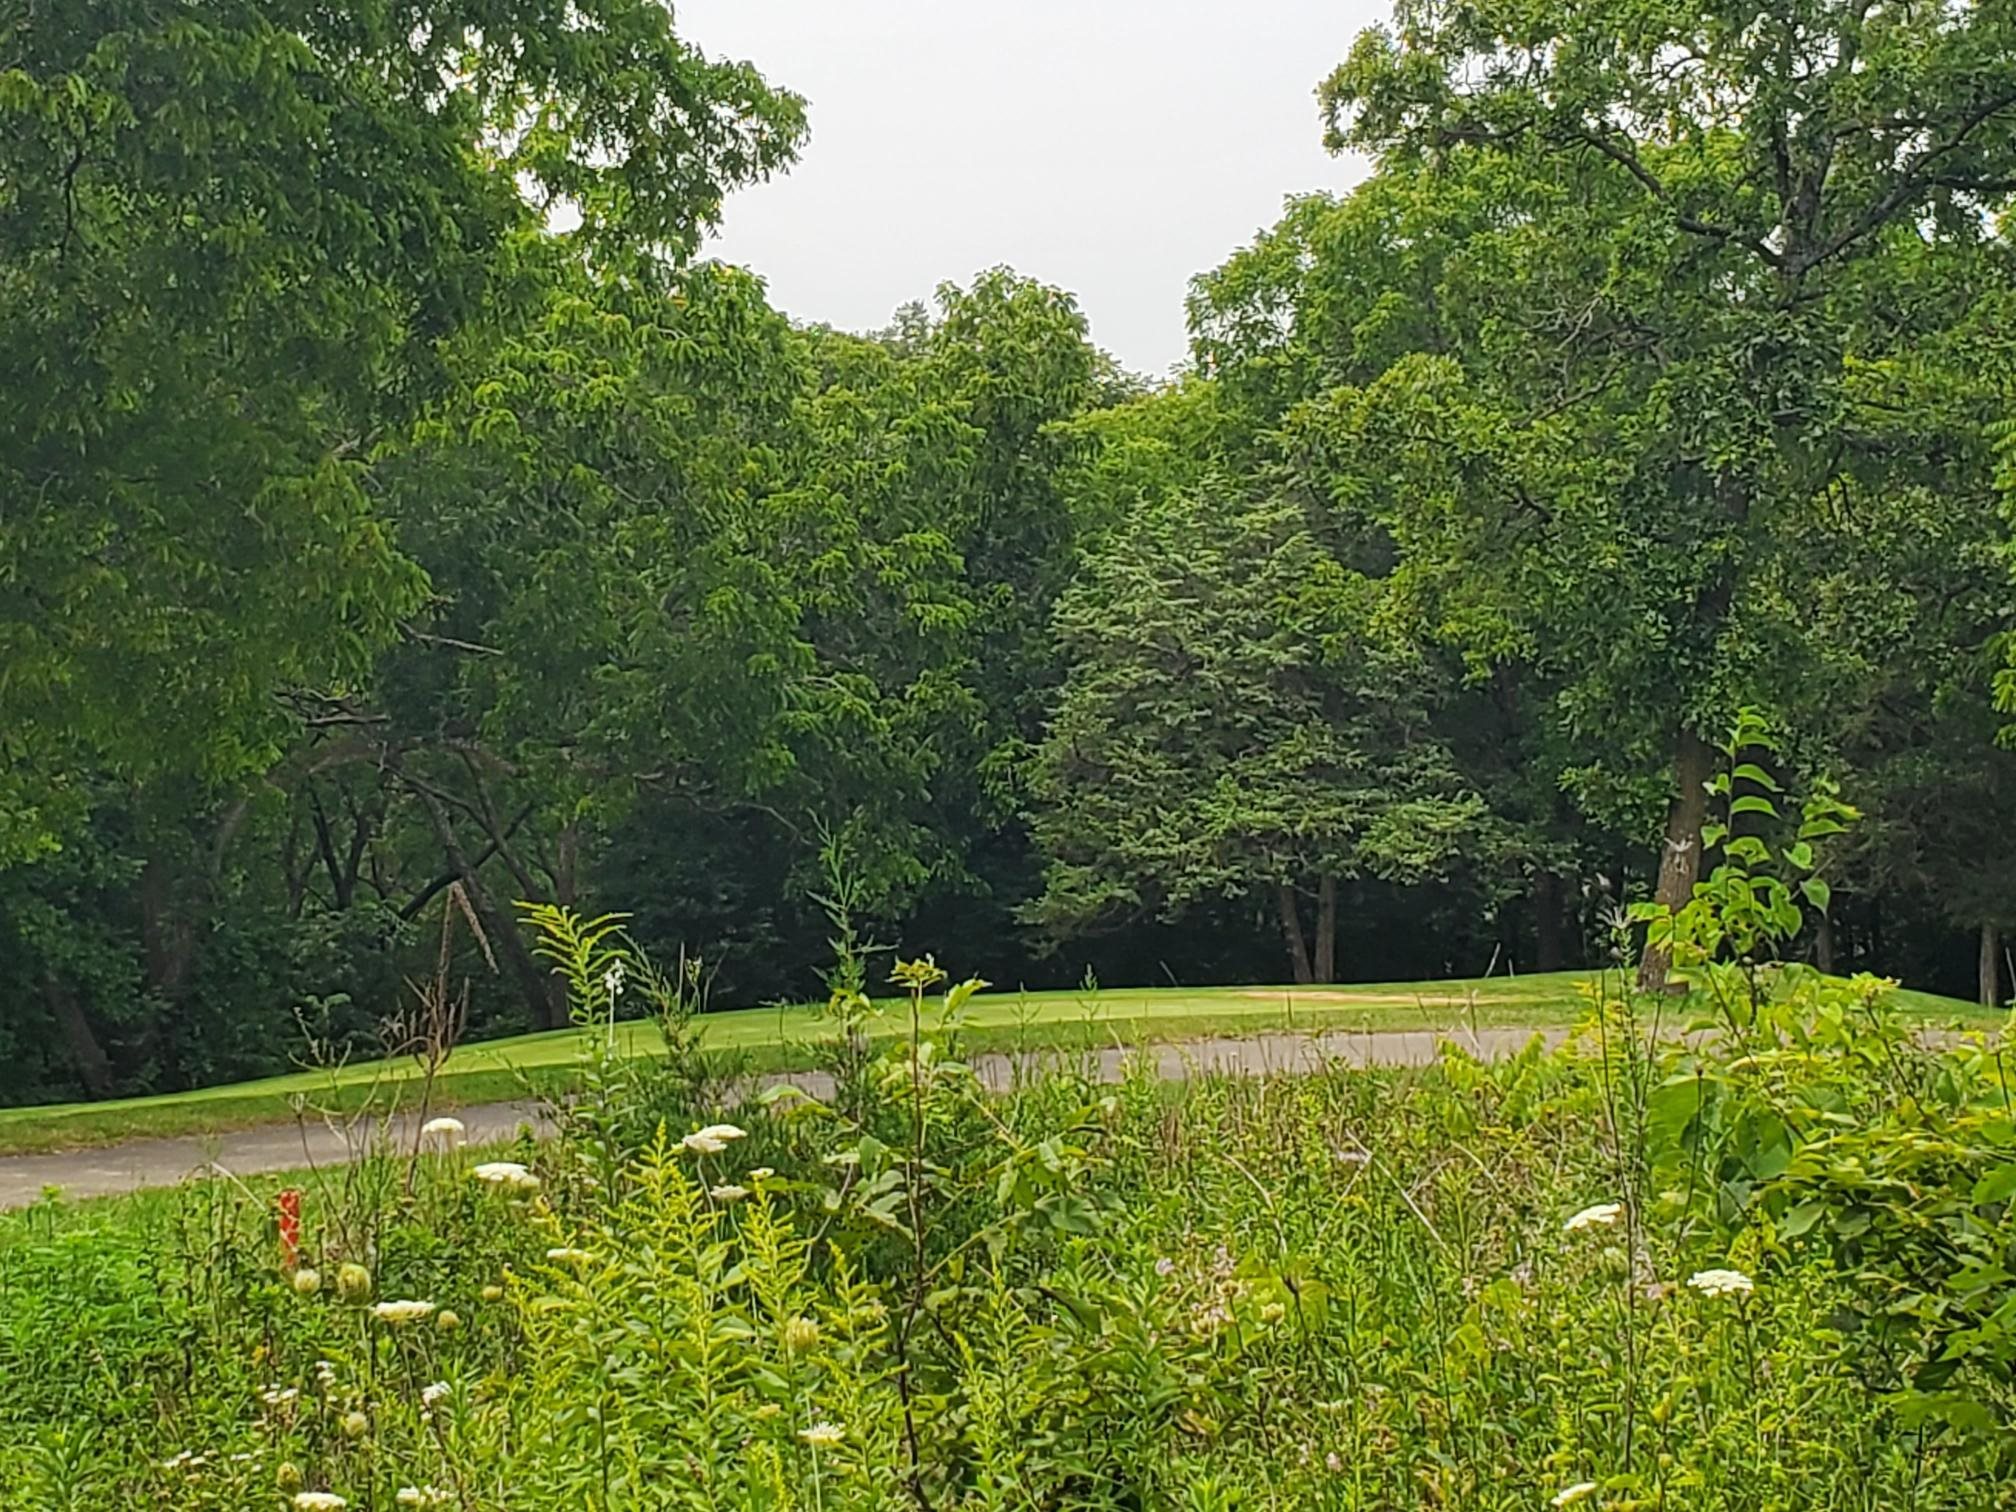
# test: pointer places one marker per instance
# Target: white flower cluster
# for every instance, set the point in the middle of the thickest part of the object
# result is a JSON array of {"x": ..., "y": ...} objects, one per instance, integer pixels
[
  {"x": 508, "y": 1174},
  {"x": 1722, "y": 1283},
  {"x": 402, "y": 1311},
  {"x": 713, "y": 1139},
  {"x": 1600, "y": 1216}
]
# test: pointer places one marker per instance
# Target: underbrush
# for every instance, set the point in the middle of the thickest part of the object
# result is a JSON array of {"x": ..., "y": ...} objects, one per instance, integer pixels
[{"x": 1763, "y": 1265}]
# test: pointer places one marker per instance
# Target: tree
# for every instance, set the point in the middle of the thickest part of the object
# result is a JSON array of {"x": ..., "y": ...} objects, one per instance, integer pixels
[
  {"x": 241, "y": 248},
  {"x": 1233, "y": 724},
  {"x": 1684, "y": 282},
  {"x": 234, "y": 241}
]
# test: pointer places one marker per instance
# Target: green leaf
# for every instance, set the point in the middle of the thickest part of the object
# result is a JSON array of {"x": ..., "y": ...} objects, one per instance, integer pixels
[
  {"x": 1750, "y": 803},
  {"x": 1999, "y": 1185},
  {"x": 1817, "y": 892},
  {"x": 1749, "y": 771},
  {"x": 1799, "y": 1219}
]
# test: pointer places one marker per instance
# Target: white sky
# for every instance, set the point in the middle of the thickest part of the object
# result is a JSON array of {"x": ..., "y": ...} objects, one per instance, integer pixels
[{"x": 1113, "y": 147}]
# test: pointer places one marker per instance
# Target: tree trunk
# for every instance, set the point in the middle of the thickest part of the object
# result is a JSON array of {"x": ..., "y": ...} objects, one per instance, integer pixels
[
  {"x": 1991, "y": 966},
  {"x": 1823, "y": 943},
  {"x": 542, "y": 992},
  {"x": 1548, "y": 951},
  {"x": 168, "y": 939},
  {"x": 1326, "y": 930},
  {"x": 567, "y": 864},
  {"x": 1680, "y": 857},
  {"x": 1291, "y": 929},
  {"x": 86, "y": 1054}
]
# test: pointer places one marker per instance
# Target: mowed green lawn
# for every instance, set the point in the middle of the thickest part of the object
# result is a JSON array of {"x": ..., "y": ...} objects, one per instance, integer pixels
[{"x": 770, "y": 1039}]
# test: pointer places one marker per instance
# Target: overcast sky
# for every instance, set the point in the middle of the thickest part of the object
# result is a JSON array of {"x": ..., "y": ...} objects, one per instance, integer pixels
[{"x": 1114, "y": 147}]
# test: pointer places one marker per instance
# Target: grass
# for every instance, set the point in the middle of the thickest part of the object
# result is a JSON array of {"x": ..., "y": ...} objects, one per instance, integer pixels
[{"x": 787, "y": 1038}]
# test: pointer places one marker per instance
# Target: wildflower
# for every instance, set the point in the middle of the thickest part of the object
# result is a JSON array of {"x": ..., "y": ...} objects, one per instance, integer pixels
[
  {"x": 505, "y": 1173},
  {"x": 728, "y": 1193},
  {"x": 822, "y": 1435},
  {"x": 354, "y": 1425},
  {"x": 421, "y": 1496},
  {"x": 353, "y": 1282},
  {"x": 449, "y": 1129},
  {"x": 761, "y": 1173},
  {"x": 279, "y": 1396},
  {"x": 447, "y": 1321},
  {"x": 800, "y": 1334},
  {"x": 713, "y": 1139},
  {"x": 1332, "y": 1463},
  {"x": 565, "y": 1256},
  {"x": 612, "y": 980},
  {"x": 1722, "y": 1283},
  {"x": 1165, "y": 1266},
  {"x": 287, "y": 1477},
  {"x": 493, "y": 1293},
  {"x": 1567, "y": 1496},
  {"x": 1599, "y": 1216},
  {"x": 401, "y": 1312},
  {"x": 434, "y": 1393},
  {"x": 325, "y": 1374},
  {"x": 307, "y": 1281},
  {"x": 318, "y": 1501}
]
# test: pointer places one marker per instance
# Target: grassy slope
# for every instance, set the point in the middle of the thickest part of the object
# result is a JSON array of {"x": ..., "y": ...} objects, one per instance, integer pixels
[{"x": 785, "y": 1038}]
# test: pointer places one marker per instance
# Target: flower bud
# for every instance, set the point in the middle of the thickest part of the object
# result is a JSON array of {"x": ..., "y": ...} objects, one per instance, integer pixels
[
  {"x": 288, "y": 1478},
  {"x": 353, "y": 1282},
  {"x": 307, "y": 1281},
  {"x": 447, "y": 1321},
  {"x": 354, "y": 1425}
]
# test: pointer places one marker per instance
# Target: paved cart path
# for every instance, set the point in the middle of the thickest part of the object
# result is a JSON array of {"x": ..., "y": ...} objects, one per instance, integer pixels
[{"x": 114, "y": 1169}]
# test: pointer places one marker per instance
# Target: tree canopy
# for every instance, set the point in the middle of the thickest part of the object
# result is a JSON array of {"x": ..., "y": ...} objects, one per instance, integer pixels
[{"x": 392, "y": 500}]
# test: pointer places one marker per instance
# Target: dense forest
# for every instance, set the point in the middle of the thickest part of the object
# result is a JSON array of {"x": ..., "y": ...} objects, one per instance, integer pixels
[{"x": 392, "y": 498}]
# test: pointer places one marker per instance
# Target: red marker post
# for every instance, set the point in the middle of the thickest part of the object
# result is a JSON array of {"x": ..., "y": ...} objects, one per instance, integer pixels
[{"x": 290, "y": 1228}]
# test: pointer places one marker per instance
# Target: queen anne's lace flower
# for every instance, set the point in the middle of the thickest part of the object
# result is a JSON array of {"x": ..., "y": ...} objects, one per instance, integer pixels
[
  {"x": 318, "y": 1501},
  {"x": 421, "y": 1496},
  {"x": 1567, "y": 1496},
  {"x": 728, "y": 1192},
  {"x": 1722, "y": 1283},
  {"x": 450, "y": 1129},
  {"x": 565, "y": 1256},
  {"x": 713, "y": 1139},
  {"x": 506, "y": 1173},
  {"x": 433, "y": 1393},
  {"x": 401, "y": 1312},
  {"x": 822, "y": 1435},
  {"x": 1599, "y": 1216}
]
